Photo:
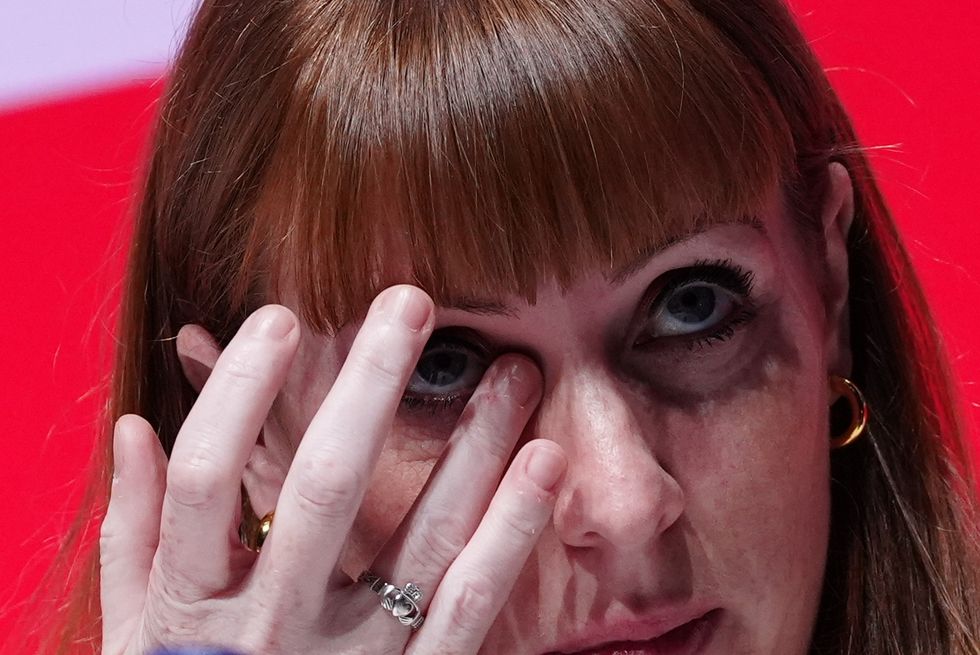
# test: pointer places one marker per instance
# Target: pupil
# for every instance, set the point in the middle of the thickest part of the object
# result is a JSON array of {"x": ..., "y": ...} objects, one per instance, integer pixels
[
  {"x": 441, "y": 368},
  {"x": 693, "y": 305}
]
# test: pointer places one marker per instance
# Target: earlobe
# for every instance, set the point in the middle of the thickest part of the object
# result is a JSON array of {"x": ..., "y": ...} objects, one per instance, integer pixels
[{"x": 837, "y": 215}]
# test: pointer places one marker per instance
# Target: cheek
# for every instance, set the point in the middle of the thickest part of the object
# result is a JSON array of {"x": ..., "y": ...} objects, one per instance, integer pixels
[
  {"x": 764, "y": 476},
  {"x": 754, "y": 465},
  {"x": 404, "y": 466}
]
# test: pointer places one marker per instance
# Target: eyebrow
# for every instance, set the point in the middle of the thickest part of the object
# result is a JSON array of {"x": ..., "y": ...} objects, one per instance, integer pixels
[
  {"x": 619, "y": 277},
  {"x": 487, "y": 307}
]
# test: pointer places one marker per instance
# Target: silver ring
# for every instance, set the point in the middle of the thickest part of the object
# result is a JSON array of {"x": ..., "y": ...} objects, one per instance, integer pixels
[{"x": 402, "y": 603}]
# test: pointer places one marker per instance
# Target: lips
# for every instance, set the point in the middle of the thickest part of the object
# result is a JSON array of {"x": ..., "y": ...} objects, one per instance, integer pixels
[{"x": 686, "y": 639}]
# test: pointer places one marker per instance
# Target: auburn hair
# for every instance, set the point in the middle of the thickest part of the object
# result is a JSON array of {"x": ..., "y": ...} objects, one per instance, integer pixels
[{"x": 499, "y": 142}]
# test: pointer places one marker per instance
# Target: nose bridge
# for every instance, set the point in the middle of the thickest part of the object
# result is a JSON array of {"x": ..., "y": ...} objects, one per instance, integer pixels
[{"x": 616, "y": 492}]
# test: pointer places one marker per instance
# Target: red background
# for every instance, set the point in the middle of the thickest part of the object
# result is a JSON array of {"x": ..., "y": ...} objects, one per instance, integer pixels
[{"x": 907, "y": 72}]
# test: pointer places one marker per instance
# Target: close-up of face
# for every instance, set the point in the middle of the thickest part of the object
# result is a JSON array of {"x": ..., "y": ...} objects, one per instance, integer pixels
[
  {"x": 497, "y": 327},
  {"x": 689, "y": 393}
]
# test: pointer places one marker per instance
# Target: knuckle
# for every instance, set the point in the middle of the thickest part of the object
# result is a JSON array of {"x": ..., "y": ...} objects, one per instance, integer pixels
[
  {"x": 473, "y": 606},
  {"x": 522, "y": 523},
  {"x": 109, "y": 535},
  {"x": 172, "y": 587},
  {"x": 439, "y": 538},
  {"x": 494, "y": 425},
  {"x": 493, "y": 442},
  {"x": 382, "y": 371},
  {"x": 110, "y": 528},
  {"x": 196, "y": 480},
  {"x": 242, "y": 368},
  {"x": 328, "y": 488},
  {"x": 385, "y": 361},
  {"x": 116, "y": 539}
]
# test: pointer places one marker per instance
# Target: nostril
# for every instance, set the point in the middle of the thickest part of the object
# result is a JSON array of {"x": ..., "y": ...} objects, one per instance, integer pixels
[{"x": 589, "y": 514}]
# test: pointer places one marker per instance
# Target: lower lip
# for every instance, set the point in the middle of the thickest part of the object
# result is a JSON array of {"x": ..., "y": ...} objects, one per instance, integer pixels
[{"x": 688, "y": 639}]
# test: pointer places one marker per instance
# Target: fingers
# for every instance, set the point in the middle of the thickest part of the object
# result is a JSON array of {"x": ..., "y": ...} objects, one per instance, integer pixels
[
  {"x": 479, "y": 581},
  {"x": 459, "y": 490},
  {"x": 212, "y": 448},
  {"x": 131, "y": 528},
  {"x": 327, "y": 480}
]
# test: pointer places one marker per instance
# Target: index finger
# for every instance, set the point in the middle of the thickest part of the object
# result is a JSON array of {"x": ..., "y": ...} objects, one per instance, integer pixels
[{"x": 213, "y": 445}]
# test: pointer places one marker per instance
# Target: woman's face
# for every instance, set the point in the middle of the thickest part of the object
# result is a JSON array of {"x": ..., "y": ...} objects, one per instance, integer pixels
[{"x": 690, "y": 397}]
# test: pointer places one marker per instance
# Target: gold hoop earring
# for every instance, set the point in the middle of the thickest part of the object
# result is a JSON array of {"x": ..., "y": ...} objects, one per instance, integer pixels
[
  {"x": 253, "y": 533},
  {"x": 859, "y": 411}
]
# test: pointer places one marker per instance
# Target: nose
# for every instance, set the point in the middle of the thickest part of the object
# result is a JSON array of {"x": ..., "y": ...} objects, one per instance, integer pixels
[{"x": 616, "y": 493}]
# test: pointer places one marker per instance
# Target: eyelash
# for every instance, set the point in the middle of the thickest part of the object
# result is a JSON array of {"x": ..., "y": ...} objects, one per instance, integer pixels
[
  {"x": 433, "y": 405},
  {"x": 724, "y": 273}
]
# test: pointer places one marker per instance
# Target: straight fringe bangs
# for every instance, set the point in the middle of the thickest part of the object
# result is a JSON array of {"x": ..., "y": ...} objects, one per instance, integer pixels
[{"x": 481, "y": 147}]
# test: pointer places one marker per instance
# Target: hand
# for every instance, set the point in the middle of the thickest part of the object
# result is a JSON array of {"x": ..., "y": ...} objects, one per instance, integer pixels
[{"x": 174, "y": 572}]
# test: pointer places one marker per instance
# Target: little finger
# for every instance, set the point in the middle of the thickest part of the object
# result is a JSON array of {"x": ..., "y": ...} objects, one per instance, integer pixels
[{"x": 131, "y": 528}]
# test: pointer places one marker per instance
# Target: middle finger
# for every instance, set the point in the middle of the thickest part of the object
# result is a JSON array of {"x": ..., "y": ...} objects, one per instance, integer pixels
[
  {"x": 459, "y": 490},
  {"x": 327, "y": 480}
]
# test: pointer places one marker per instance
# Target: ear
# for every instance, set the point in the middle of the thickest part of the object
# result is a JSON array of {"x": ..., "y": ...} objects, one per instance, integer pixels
[
  {"x": 264, "y": 473},
  {"x": 837, "y": 214}
]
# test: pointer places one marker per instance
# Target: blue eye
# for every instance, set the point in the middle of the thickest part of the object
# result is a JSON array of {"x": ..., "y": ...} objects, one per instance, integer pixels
[
  {"x": 448, "y": 371},
  {"x": 700, "y": 305},
  {"x": 693, "y": 308}
]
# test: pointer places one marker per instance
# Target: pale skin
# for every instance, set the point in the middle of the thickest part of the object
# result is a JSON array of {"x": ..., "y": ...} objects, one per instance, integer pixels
[{"x": 633, "y": 478}]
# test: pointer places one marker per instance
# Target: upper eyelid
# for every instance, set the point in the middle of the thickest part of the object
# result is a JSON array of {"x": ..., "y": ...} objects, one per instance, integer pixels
[
  {"x": 678, "y": 277},
  {"x": 490, "y": 348},
  {"x": 461, "y": 335}
]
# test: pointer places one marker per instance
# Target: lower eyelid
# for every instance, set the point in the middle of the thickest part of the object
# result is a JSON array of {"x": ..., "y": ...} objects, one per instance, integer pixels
[
  {"x": 730, "y": 327},
  {"x": 435, "y": 404}
]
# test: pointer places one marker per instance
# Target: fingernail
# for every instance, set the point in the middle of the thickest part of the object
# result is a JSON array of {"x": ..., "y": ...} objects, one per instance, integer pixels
[
  {"x": 407, "y": 307},
  {"x": 545, "y": 467},
  {"x": 274, "y": 323},
  {"x": 519, "y": 383},
  {"x": 118, "y": 458}
]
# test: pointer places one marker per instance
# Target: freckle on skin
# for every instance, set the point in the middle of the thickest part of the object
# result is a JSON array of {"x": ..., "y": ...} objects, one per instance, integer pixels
[
  {"x": 706, "y": 408},
  {"x": 770, "y": 368}
]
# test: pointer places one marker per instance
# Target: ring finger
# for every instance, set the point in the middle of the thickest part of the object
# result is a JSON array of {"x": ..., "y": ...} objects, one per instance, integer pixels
[
  {"x": 480, "y": 579},
  {"x": 455, "y": 499}
]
